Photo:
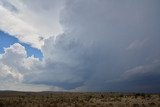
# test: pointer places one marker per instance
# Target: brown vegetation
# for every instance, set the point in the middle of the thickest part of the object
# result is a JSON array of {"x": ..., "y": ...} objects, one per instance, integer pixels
[{"x": 64, "y": 99}]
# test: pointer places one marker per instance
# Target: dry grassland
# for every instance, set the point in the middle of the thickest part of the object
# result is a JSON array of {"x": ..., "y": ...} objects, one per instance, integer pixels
[{"x": 64, "y": 99}]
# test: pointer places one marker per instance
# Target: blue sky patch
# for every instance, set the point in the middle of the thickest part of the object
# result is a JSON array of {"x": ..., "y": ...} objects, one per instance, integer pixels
[{"x": 6, "y": 40}]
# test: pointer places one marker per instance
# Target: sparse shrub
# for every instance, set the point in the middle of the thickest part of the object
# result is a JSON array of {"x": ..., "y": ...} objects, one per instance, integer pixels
[
  {"x": 136, "y": 105},
  {"x": 94, "y": 105},
  {"x": 140, "y": 94},
  {"x": 1, "y": 104},
  {"x": 102, "y": 96},
  {"x": 110, "y": 104},
  {"x": 121, "y": 95},
  {"x": 117, "y": 99},
  {"x": 148, "y": 95},
  {"x": 143, "y": 105},
  {"x": 143, "y": 95},
  {"x": 77, "y": 100},
  {"x": 152, "y": 104}
]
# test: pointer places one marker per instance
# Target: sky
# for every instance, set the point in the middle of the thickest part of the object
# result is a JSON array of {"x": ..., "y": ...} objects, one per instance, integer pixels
[
  {"x": 80, "y": 45},
  {"x": 6, "y": 40}
]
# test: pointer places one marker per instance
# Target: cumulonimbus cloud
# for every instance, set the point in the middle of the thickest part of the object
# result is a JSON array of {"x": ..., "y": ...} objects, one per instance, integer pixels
[{"x": 102, "y": 42}]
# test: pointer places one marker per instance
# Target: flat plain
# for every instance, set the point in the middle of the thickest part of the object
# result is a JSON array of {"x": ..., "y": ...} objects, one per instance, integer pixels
[{"x": 77, "y": 99}]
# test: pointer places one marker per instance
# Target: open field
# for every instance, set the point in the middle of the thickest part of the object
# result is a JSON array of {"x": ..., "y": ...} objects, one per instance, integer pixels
[{"x": 64, "y": 99}]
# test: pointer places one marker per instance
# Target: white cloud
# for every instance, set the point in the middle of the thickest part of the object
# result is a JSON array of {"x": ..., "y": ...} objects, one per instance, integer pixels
[
  {"x": 9, "y": 74},
  {"x": 31, "y": 21},
  {"x": 15, "y": 66},
  {"x": 15, "y": 56}
]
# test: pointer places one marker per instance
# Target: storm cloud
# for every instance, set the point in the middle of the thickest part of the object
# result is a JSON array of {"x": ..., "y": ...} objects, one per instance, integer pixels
[{"x": 105, "y": 46}]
